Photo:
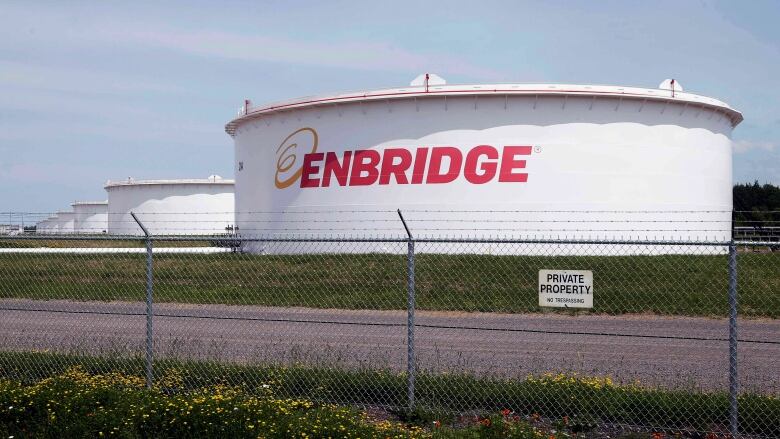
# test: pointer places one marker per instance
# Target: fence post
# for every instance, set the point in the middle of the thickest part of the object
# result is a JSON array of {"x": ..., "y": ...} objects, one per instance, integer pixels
[
  {"x": 410, "y": 305},
  {"x": 149, "y": 303},
  {"x": 733, "y": 365}
]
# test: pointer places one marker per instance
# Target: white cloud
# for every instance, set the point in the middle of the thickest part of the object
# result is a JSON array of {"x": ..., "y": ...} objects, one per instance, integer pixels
[
  {"x": 361, "y": 55},
  {"x": 56, "y": 27}
]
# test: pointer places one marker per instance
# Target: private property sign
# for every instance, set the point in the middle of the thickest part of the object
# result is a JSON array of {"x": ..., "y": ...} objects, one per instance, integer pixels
[{"x": 566, "y": 288}]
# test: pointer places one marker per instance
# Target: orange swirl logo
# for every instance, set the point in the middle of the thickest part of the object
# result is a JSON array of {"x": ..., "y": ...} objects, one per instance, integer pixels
[{"x": 287, "y": 155}]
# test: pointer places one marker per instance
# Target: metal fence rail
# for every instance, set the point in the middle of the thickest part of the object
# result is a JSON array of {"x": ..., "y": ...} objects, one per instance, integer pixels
[{"x": 448, "y": 324}]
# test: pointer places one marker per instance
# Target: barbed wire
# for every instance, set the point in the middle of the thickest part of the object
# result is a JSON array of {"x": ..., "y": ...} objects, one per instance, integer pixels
[
  {"x": 393, "y": 211},
  {"x": 433, "y": 222}
]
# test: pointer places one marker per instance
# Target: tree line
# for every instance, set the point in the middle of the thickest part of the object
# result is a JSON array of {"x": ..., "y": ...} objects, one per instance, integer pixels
[{"x": 756, "y": 205}]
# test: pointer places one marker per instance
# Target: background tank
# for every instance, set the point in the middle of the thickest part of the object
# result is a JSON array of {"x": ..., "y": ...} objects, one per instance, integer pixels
[
  {"x": 66, "y": 222},
  {"x": 171, "y": 207},
  {"x": 91, "y": 216}
]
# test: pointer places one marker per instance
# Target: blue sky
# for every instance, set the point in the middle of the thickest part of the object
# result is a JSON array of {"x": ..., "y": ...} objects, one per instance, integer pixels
[{"x": 91, "y": 91}]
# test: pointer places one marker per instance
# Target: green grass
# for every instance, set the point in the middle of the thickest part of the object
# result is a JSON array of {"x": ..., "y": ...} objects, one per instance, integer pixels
[
  {"x": 664, "y": 284},
  {"x": 580, "y": 399}
]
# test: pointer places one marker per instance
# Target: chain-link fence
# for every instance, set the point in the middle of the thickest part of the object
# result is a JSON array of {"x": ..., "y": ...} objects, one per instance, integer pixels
[{"x": 681, "y": 336}]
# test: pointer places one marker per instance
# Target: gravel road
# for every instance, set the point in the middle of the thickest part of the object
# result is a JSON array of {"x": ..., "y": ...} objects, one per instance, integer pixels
[{"x": 687, "y": 352}]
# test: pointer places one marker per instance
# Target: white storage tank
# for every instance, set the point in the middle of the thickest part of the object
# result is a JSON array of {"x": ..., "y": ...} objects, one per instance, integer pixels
[
  {"x": 533, "y": 161},
  {"x": 42, "y": 226},
  {"x": 171, "y": 207},
  {"x": 66, "y": 221},
  {"x": 50, "y": 226},
  {"x": 91, "y": 216}
]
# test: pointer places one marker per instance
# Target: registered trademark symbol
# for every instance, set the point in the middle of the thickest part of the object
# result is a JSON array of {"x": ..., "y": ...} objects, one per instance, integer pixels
[{"x": 537, "y": 149}]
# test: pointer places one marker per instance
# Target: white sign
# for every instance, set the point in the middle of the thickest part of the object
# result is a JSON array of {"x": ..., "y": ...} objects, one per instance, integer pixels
[{"x": 566, "y": 288}]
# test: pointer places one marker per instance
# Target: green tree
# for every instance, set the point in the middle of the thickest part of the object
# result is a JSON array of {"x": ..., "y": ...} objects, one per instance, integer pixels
[{"x": 757, "y": 206}]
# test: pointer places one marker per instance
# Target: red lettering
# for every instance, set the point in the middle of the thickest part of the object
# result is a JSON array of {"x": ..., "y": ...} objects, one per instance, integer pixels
[
  {"x": 398, "y": 169},
  {"x": 309, "y": 169},
  {"x": 367, "y": 167},
  {"x": 333, "y": 167},
  {"x": 488, "y": 168},
  {"x": 509, "y": 163},
  {"x": 366, "y": 161},
  {"x": 420, "y": 157},
  {"x": 435, "y": 174}
]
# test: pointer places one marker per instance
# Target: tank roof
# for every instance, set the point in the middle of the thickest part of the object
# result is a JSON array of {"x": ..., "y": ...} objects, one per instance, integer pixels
[
  {"x": 133, "y": 182},
  {"x": 89, "y": 203},
  {"x": 500, "y": 89}
]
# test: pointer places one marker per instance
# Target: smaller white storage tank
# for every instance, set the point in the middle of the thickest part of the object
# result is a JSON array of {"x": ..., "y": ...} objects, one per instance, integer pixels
[
  {"x": 171, "y": 207},
  {"x": 42, "y": 226},
  {"x": 66, "y": 222},
  {"x": 91, "y": 216},
  {"x": 51, "y": 226}
]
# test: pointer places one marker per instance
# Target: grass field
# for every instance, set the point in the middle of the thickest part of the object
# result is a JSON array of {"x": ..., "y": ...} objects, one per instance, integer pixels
[
  {"x": 663, "y": 284},
  {"x": 592, "y": 400}
]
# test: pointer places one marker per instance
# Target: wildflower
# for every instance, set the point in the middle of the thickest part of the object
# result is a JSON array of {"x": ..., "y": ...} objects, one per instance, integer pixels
[
  {"x": 437, "y": 424},
  {"x": 506, "y": 412}
]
